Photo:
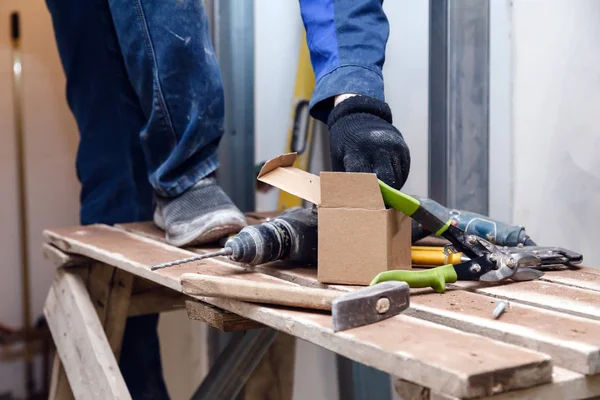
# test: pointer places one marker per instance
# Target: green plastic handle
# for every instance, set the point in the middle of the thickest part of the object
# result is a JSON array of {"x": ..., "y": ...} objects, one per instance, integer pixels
[
  {"x": 429, "y": 213},
  {"x": 436, "y": 278},
  {"x": 397, "y": 200}
]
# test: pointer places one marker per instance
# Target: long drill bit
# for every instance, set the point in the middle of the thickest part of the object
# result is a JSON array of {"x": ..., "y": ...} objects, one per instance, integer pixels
[{"x": 226, "y": 251}]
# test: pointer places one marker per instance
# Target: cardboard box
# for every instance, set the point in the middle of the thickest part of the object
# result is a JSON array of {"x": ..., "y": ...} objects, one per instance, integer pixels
[{"x": 358, "y": 236}]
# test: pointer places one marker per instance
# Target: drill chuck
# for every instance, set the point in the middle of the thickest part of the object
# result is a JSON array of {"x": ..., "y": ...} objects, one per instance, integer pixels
[{"x": 258, "y": 244}]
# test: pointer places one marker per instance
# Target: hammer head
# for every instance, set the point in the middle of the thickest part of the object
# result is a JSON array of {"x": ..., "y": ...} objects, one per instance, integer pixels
[{"x": 370, "y": 304}]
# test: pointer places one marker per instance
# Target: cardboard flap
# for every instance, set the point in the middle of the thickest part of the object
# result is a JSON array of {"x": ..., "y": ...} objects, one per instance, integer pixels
[
  {"x": 351, "y": 190},
  {"x": 279, "y": 172},
  {"x": 284, "y": 160}
]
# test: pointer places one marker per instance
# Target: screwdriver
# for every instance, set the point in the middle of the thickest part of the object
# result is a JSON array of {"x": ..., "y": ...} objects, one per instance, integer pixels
[{"x": 291, "y": 236}]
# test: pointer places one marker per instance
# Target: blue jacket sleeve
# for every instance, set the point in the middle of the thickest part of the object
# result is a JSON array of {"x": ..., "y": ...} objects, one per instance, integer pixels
[{"x": 347, "y": 40}]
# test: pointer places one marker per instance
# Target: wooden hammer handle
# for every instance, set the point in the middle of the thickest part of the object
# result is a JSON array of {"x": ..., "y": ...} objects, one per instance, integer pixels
[{"x": 237, "y": 288}]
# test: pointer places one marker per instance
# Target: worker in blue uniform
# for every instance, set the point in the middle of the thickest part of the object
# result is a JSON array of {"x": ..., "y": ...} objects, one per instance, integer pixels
[{"x": 144, "y": 86}]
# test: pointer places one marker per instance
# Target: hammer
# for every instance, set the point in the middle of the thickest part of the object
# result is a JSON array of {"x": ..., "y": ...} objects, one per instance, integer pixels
[{"x": 348, "y": 310}]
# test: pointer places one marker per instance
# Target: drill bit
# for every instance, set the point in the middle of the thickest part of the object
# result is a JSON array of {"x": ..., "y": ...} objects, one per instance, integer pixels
[{"x": 226, "y": 251}]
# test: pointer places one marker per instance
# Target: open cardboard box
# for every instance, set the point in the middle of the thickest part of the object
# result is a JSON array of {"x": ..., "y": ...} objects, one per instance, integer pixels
[{"x": 358, "y": 237}]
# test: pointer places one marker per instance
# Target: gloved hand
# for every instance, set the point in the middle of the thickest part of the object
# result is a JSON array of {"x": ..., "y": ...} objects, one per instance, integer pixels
[{"x": 363, "y": 139}]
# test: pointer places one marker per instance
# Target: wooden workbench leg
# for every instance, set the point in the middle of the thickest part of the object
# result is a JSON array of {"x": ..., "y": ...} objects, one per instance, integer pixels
[
  {"x": 273, "y": 378},
  {"x": 110, "y": 291},
  {"x": 59, "y": 384},
  {"x": 75, "y": 329}
]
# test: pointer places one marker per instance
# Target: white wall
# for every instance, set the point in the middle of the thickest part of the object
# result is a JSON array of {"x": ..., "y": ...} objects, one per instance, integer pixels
[{"x": 555, "y": 128}]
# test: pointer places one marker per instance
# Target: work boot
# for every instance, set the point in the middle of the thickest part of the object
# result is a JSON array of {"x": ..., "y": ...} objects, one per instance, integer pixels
[{"x": 202, "y": 214}]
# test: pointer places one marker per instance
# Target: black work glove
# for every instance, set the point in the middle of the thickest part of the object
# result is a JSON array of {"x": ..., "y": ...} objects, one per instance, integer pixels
[{"x": 363, "y": 139}]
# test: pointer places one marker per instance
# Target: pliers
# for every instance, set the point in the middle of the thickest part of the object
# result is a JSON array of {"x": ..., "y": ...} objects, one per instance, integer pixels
[{"x": 486, "y": 261}]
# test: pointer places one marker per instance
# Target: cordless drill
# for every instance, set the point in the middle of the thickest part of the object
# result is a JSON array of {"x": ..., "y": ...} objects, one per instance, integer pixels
[
  {"x": 493, "y": 231},
  {"x": 291, "y": 236}
]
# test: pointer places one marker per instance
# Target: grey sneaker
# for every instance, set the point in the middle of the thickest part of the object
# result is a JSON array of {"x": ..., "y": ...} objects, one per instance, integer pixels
[{"x": 202, "y": 214}]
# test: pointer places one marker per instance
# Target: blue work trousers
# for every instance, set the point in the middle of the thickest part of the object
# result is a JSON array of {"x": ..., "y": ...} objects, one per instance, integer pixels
[{"x": 145, "y": 89}]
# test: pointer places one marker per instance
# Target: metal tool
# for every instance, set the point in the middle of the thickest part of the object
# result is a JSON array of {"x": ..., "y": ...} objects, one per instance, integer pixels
[
  {"x": 292, "y": 236},
  {"x": 548, "y": 258},
  {"x": 349, "y": 310},
  {"x": 487, "y": 262}
]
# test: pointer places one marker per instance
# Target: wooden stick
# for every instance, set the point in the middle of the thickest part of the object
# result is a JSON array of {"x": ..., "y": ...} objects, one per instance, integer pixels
[
  {"x": 219, "y": 319},
  {"x": 258, "y": 292}
]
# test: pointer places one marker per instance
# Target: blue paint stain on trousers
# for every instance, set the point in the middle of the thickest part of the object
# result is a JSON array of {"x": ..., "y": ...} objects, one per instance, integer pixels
[{"x": 144, "y": 87}]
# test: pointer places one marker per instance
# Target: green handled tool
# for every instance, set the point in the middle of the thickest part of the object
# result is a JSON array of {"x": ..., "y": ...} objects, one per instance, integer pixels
[
  {"x": 486, "y": 261},
  {"x": 435, "y": 278}
]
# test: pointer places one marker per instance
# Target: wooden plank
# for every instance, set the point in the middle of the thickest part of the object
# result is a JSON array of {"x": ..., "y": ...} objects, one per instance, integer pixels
[
  {"x": 157, "y": 300},
  {"x": 405, "y": 346},
  {"x": 443, "y": 358},
  {"x": 573, "y": 342},
  {"x": 80, "y": 340},
  {"x": 280, "y": 293},
  {"x": 584, "y": 278},
  {"x": 571, "y": 300},
  {"x": 565, "y": 385},
  {"x": 219, "y": 319},
  {"x": 61, "y": 259},
  {"x": 109, "y": 242}
]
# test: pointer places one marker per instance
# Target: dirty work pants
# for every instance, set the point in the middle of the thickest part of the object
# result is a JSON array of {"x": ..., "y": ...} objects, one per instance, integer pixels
[{"x": 145, "y": 90}]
